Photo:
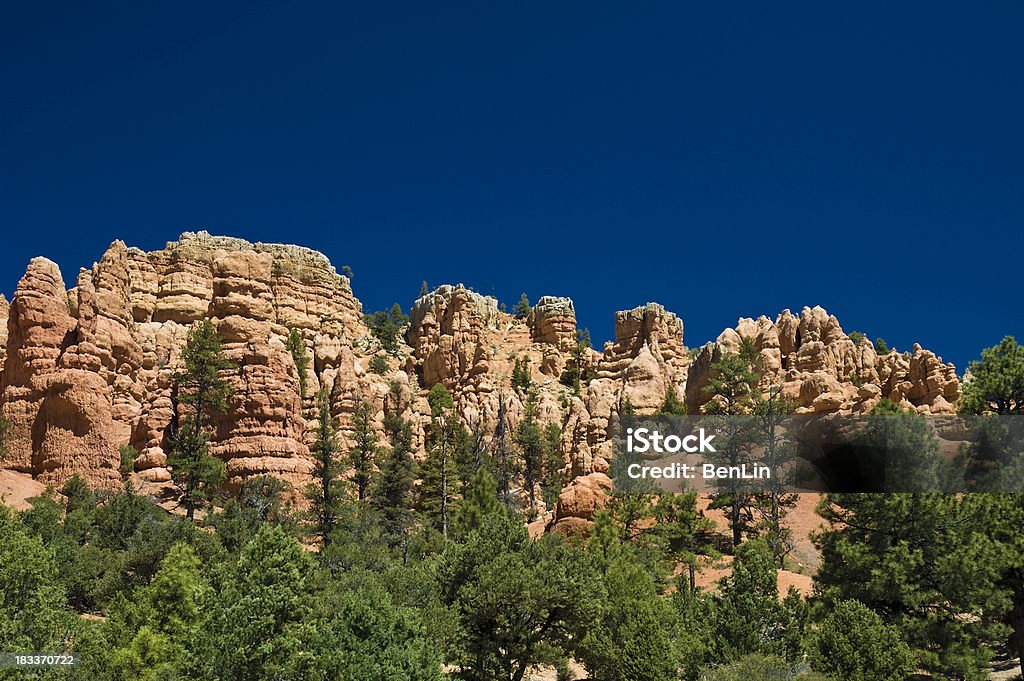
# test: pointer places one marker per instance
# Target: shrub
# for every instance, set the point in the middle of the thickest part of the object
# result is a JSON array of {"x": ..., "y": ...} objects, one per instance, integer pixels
[
  {"x": 380, "y": 365},
  {"x": 128, "y": 454},
  {"x": 759, "y": 668},
  {"x": 439, "y": 399},
  {"x": 296, "y": 345},
  {"x": 854, "y": 644},
  {"x": 521, "y": 374}
]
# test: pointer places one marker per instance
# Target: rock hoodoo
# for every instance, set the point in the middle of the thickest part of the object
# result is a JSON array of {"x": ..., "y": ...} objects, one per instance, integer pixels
[{"x": 825, "y": 370}]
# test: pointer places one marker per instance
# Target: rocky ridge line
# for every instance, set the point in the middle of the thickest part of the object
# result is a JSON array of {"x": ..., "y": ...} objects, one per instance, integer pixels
[{"x": 88, "y": 369}]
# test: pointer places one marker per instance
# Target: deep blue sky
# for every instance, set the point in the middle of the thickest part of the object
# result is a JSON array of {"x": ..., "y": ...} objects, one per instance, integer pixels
[{"x": 725, "y": 159}]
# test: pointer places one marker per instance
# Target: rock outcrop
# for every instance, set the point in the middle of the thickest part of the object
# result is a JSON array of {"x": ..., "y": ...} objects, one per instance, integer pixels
[
  {"x": 647, "y": 357},
  {"x": 447, "y": 334},
  {"x": 58, "y": 404},
  {"x": 88, "y": 370},
  {"x": 824, "y": 370},
  {"x": 553, "y": 321}
]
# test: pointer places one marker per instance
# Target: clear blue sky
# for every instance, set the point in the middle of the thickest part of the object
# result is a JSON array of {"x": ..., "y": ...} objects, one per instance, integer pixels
[{"x": 724, "y": 159}]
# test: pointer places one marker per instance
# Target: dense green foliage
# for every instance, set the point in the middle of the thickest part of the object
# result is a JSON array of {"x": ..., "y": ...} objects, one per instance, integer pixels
[
  {"x": 5, "y": 428},
  {"x": 672, "y": 405},
  {"x": 362, "y": 456},
  {"x": 996, "y": 384},
  {"x": 733, "y": 394},
  {"x": 521, "y": 380},
  {"x": 853, "y": 643},
  {"x": 928, "y": 564},
  {"x": 379, "y": 365},
  {"x": 760, "y": 668},
  {"x": 530, "y": 439}
]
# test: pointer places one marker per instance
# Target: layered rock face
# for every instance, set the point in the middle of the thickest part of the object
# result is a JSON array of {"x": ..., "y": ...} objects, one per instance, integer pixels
[
  {"x": 823, "y": 370},
  {"x": 53, "y": 395},
  {"x": 88, "y": 370},
  {"x": 447, "y": 334},
  {"x": 647, "y": 357}
]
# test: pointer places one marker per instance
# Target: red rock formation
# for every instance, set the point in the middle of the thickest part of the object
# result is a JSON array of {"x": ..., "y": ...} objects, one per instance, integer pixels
[
  {"x": 447, "y": 329},
  {"x": 647, "y": 358},
  {"x": 60, "y": 411},
  {"x": 88, "y": 370},
  {"x": 579, "y": 501},
  {"x": 821, "y": 368}
]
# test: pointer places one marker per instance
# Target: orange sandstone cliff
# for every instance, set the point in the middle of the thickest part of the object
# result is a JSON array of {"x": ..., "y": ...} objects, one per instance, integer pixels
[{"x": 88, "y": 369}]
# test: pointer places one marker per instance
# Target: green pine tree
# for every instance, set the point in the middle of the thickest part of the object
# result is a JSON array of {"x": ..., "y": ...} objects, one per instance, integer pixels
[
  {"x": 552, "y": 471},
  {"x": 521, "y": 380},
  {"x": 258, "y": 619},
  {"x": 439, "y": 473},
  {"x": 296, "y": 346},
  {"x": 921, "y": 561},
  {"x": 995, "y": 453},
  {"x": 748, "y": 615},
  {"x": 672, "y": 405},
  {"x": 686, "y": 535},
  {"x": 325, "y": 494},
  {"x": 393, "y": 489},
  {"x": 481, "y": 502},
  {"x": 577, "y": 369},
  {"x": 634, "y": 637},
  {"x": 772, "y": 501},
  {"x": 362, "y": 456},
  {"x": 200, "y": 385},
  {"x": 529, "y": 438},
  {"x": 155, "y": 632},
  {"x": 387, "y": 327},
  {"x": 33, "y": 608},
  {"x": 522, "y": 308},
  {"x": 854, "y": 644},
  {"x": 517, "y": 602},
  {"x": 733, "y": 391},
  {"x": 996, "y": 383}
]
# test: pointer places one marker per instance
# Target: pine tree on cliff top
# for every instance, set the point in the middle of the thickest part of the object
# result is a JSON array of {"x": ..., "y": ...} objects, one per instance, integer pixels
[{"x": 201, "y": 386}]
